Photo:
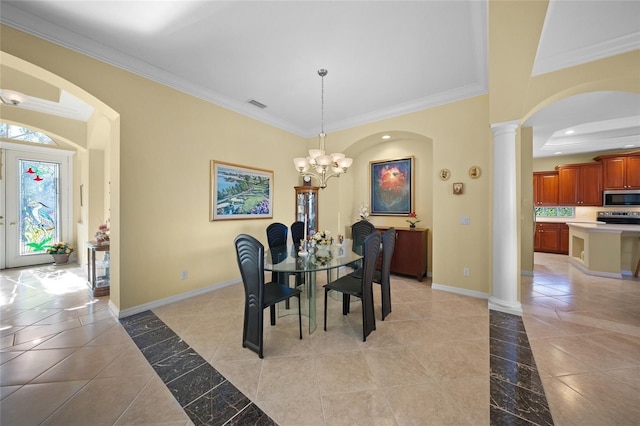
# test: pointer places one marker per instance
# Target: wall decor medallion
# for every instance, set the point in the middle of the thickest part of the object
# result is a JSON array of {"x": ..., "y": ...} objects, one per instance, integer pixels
[
  {"x": 240, "y": 192},
  {"x": 474, "y": 172},
  {"x": 445, "y": 174}
]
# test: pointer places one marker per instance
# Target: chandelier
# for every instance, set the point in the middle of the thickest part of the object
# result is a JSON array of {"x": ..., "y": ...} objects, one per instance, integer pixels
[{"x": 319, "y": 165}]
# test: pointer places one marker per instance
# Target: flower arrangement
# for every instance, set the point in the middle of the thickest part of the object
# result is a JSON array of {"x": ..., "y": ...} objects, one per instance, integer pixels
[
  {"x": 364, "y": 212},
  {"x": 322, "y": 238},
  {"x": 413, "y": 219},
  {"x": 323, "y": 259},
  {"x": 102, "y": 235},
  {"x": 60, "y": 248}
]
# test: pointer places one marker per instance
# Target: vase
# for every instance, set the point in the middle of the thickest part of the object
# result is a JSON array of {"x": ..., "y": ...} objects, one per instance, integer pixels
[
  {"x": 323, "y": 252},
  {"x": 60, "y": 259}
]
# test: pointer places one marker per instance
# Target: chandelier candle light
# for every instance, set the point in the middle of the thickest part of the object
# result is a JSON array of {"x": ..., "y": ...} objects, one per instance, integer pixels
[{"x": 319, "y": 165}]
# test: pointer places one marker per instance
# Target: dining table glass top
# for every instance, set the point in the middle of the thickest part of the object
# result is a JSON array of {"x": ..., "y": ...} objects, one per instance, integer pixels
[{"x": 319, "y": 258}]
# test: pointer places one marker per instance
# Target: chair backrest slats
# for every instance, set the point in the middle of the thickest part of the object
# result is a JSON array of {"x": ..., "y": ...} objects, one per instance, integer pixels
[
  {"x": 277, "y": 234},
  {"x": 297, "y": 232},
  {"x": 359, "y": 232}
]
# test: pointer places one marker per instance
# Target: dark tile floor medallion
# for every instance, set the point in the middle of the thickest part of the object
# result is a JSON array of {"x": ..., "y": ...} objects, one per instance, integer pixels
[
  {"x": 204, "y": 394},
  {"x": 517, "y": 395}
]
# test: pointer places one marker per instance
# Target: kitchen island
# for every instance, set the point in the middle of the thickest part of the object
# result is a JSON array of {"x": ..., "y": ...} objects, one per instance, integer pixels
[{"x": 607, "y": 250}]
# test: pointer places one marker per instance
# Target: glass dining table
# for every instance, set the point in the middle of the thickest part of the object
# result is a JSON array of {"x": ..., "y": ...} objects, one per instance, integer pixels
[{"x": 289, "y": 261}]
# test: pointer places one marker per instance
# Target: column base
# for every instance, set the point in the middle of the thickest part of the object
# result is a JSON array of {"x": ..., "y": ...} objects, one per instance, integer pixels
[{"x": 513, "y": 308}]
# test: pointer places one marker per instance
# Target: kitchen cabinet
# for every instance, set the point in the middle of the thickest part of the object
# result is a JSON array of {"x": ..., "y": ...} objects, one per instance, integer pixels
[
  {"x": 545, "y": 188},
  {"x": 410, "y": 252},
  {"x": 564, "y": 239},
  {"x": 307, "y": 204},
  {"x": 580, "y": 184},
  {"x": 551, "y": 237},
  {"x": 621, "y": 172}
]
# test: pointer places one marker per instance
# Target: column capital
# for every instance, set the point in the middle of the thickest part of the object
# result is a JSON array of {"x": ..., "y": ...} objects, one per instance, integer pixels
[{"x": 505, "y": 127}]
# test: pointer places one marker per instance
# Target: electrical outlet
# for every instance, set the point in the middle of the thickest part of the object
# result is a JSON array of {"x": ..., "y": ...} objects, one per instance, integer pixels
[
  {"x": 465, "y": 271},
  {"x": 183, "y": 275}
]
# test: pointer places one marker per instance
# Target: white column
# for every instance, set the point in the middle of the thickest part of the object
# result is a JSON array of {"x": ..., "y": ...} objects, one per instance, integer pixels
[{"x": 504, "y": 289}]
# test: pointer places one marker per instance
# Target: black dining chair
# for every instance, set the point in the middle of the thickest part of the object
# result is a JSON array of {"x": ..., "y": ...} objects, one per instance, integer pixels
[
  {"x": 258, "y": 294},
  {"x": 359, "y": 232},
  {"x": 382, "y": 276},
  {"x": 359, "y": 287},
  {"x": 297, "y": 235},
  {"x": 277, "y": 238}
]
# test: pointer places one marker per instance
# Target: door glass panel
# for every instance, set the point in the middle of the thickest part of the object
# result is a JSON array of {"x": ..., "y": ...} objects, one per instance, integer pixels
[{"x": 39, "y": 206}]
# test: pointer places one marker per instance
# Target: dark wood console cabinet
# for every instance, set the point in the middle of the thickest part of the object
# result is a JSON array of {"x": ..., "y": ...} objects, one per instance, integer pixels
[{"x": 410, "y": 252}]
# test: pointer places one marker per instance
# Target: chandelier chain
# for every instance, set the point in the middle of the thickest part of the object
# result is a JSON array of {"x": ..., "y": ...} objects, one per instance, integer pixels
[{"x": 322, "y": 73}]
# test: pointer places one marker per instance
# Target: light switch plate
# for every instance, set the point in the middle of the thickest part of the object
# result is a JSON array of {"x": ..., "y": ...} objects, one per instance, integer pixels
[{"x": 465, "y": 220}]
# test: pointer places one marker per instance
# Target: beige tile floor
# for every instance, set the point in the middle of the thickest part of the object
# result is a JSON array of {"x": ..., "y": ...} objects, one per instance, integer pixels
[
  {"x": 65, "y": 360},
  {"x": 585, "y": 335}
]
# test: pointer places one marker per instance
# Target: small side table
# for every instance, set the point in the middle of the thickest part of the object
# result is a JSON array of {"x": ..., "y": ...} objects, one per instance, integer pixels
[{"x": 99, "y": 285}]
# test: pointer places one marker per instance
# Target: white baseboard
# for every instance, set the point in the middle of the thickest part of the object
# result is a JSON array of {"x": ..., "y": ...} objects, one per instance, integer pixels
[
  {"x": 464, "y": 292},
  {"x": 178, "y": 297}
]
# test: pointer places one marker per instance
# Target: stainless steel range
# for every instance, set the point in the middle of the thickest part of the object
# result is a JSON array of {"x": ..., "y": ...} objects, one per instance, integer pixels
[{"x": 620, "y": 217}]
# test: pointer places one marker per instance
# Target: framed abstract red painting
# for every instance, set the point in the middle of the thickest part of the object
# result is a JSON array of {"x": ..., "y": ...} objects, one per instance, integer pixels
[{"x": 391, "y": 185}]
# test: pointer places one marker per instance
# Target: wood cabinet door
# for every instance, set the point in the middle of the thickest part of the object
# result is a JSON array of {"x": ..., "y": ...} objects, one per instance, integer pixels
[
  {"x": 568, "y": 186},
  {"x": 590, "y": 185},
  {"x": 564, "y": 238},
  {"x": 550, "y": 238},
  {"x": 410, "y": 253},
  {"x": 537, "y": 238},
  {"x": 580, "y": 185},
  {"x": 613, "y": 170},
  {"x": 545, "y": 190},
  {"x": 633, "y": 172}
]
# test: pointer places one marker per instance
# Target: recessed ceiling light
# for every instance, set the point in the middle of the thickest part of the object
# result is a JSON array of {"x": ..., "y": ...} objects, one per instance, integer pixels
[
  {"x": 629, "y": 145},
  {"x": 385, "y": 137},
  {"x": 569, "y": 132},
  {"x": 557, "y": 153}
]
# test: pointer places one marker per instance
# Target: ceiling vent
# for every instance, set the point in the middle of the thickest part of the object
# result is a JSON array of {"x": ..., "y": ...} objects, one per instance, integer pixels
[{"x": 256, "y": 103}]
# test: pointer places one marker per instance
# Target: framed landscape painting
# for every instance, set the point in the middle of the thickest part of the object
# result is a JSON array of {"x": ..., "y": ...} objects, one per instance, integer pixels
[
  {"x": 391, "y": 186},
  {"x": 240, "y": 192}
]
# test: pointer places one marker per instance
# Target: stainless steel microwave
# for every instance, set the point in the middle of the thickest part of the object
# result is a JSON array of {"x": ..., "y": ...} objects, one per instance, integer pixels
[{"x": 622, "y": 198}]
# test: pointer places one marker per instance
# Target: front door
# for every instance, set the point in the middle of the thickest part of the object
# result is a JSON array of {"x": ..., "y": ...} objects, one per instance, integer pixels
[{"x": 36, "y": 205}]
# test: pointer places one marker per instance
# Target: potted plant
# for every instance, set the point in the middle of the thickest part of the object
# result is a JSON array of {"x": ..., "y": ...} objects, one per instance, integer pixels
[
  {"x": 413, "y": 219},
  {"x": 60, "y": 252},
  {"x": 102, "y": 236}
]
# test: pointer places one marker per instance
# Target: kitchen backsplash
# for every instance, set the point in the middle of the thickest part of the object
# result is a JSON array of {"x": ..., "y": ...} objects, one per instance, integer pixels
[{"x": 586, "y": 214}]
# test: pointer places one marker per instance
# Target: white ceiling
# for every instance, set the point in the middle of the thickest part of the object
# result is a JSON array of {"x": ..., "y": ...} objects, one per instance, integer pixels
[{"x": 385, "y": 58}]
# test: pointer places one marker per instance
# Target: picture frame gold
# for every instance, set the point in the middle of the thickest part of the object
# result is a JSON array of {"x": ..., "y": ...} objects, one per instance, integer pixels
[
  {"x": 458, "y": 188},
  {"x": 240, "y": 192}
]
